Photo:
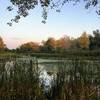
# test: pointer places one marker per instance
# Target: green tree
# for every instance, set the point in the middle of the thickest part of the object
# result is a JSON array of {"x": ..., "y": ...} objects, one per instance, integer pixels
[
  {"x": 95, "y": 40},
  {"x": 91, "y": 39},
  {"x": 74, "y": 44}
]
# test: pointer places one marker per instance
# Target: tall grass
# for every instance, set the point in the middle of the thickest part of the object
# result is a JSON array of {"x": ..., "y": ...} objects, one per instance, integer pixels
[
  {"x": 79, "y": 82},
  {"x": 21, "y": 82},
  {"x": 76, "y": 80}
]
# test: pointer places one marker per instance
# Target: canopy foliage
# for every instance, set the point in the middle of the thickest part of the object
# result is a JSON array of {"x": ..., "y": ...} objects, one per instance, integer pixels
[{"x": 24, "y": 6}]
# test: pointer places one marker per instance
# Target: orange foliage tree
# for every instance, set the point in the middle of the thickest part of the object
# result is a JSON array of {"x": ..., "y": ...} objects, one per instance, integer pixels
[
  {"x": 49, "y": 45},
  {"x": 30, "y": 46},
  {"x": 84, "y": 41},
  {"x": 2, "y": 45},
  {"x": 63, "y": 43}
]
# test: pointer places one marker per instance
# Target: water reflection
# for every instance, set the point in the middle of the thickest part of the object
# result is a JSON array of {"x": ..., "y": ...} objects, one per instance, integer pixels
[
  {"x": 45, "y": 78},
  {"x": 47, "y": 68}
]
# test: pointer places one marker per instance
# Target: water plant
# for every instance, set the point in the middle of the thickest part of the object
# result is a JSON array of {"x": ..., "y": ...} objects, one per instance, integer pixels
[{"x": 76, "y": 79}]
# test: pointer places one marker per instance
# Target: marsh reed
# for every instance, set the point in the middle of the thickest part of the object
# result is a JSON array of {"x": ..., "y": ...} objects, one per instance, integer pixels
[{"x": 76, "y": 80}]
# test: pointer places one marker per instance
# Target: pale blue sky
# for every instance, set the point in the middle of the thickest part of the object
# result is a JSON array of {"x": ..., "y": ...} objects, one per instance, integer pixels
[{"x": 72, "y": 21}]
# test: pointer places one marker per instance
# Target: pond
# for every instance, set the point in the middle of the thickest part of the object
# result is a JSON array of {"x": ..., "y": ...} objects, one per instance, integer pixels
[
  {"x": 47, "y": 68},
  {"x": 46, "y": 76}
]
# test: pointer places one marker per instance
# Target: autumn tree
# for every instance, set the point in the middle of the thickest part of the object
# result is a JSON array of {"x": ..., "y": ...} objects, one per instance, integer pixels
[
  {"x": 29, "y": 47},
  {"x": 63, "y": 44},
  {"x": 2, "y": 45},
  {"x": 49, "y": 45},
  {"x": 84, "y": 41}
]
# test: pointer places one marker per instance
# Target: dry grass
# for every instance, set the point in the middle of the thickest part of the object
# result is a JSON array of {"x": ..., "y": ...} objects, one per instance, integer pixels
[{"x": 78, "y": 82}]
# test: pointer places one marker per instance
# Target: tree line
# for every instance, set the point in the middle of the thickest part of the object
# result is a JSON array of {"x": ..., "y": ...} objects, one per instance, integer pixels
[{"x": 63, "y": 44}]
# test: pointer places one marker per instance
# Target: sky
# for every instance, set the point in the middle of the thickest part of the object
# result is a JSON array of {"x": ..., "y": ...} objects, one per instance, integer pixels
[{"x": 71, "y": 21}]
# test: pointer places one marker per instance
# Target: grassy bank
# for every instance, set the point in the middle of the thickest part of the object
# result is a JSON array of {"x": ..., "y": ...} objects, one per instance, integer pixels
[{"x": 68, "y": 54}]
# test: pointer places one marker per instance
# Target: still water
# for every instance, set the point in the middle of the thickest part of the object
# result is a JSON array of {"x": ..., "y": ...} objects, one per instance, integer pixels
[{"x": 48, "y": 67}]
